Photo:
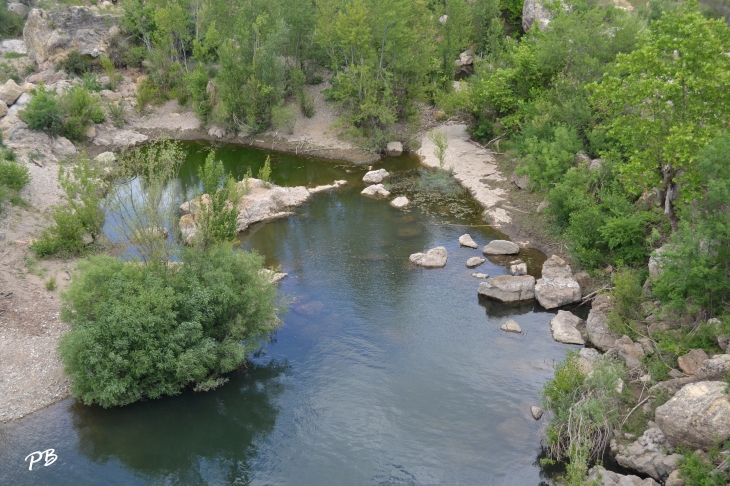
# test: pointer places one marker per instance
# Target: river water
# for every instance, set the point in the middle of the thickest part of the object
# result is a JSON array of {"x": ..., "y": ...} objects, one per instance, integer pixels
[{"x": 382, "y": 373}]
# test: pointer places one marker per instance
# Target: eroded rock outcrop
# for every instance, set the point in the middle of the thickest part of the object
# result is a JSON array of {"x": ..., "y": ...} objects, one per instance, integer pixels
[
  {"x": 557, "y": 287},
  {"x": 507, "y": 288},
  {"x": 52, "y": 34},
  {"x": 534, "y": 11},
  {"x": 647, "y": 455},
  {"x": 610, "y": 478}
]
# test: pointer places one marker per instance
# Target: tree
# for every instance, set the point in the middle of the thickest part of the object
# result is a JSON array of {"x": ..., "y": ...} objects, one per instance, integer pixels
[
  {"x": 217, "y": 219},
  {"x": 665, "y": 101}
]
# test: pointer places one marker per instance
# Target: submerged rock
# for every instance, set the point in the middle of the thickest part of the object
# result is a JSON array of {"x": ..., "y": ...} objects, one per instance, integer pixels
[
  {"x": 511, "y": 326},
  {"x": 501, "y": 247},
  {"x": 433, "y": 258},
  {"x": 564, "y": 328},
  {"x": 376, "y": 191},
  {"x": 375, "y": 176},
  {"x": 475, "y": 262},
  {"x": 480, "y": 275},
  {"x": 506, "y": 288},
  {"x": 467, "y": 241},
  {"x": 698, "y": 416},
  {"x": 557, "y": 287},
  {"x": 517, "y": 267}
]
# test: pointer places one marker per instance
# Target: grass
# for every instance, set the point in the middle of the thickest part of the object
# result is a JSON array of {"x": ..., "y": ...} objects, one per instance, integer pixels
[
  {"x": 14, "y": 55},
  {"x": 51, "y": 284}
]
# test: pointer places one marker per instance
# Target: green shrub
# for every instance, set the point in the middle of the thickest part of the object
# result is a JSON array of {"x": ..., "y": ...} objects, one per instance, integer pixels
[
  {"x": 110, "y": 71},
  {"x": 585, "y": 412},
  {"x": 77, "y": 63},
  {"x": 82, "y": 108},
  {"x": 144, "y": 331},
  {"x": 51, "y": 284},
  {"x": 11, "y": 25},
  {"x": 82, "y": 212},
  {"x": 283, "y": 119},
  {"x": 43, "y": 112},
  {"x": 9, "y": 72},
  {"x": 695, "y": 470},
  {"x": 13, "y": 175},
  {"x": 627, "y": 296},
  {"x": 265, "y": 171},
  {"x": 145, "y": 94},
  {"x": 547, "y": 160},
  {"x": 116, "y": 113},
  {"x": 218, "y": 221},
  {"x": 90, "y": 81}
]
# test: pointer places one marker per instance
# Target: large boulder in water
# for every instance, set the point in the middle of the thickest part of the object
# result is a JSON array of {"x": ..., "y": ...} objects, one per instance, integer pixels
[
  {"x": 564, "y": 328},
  {"x": 376, "y": 191},
  {"x": 375, "y": 176},
  {"x": 433, "y": 258},
  {"x": 557, "y": 287},
  {"x": 501, "y": 247},
  {"x": 697, "y": 416},
  {"x": 507, "y": 288}
]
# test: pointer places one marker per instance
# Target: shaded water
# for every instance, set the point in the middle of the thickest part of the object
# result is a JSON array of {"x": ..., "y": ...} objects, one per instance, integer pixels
[{"x": 381, "y": 374}]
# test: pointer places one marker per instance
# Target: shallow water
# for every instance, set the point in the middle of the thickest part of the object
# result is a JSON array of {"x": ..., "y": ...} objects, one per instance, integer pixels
[{"x": 381, "y": 374}]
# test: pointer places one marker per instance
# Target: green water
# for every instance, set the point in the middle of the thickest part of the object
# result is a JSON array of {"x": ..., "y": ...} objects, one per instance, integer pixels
[{"x": 382, "y": 373}]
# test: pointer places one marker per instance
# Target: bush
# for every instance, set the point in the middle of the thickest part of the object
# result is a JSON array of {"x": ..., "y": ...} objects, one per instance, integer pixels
[
  {"x": 283, "y": 119},
  {"x": 628, "y": 296},
  {"x": 13, "y": 175},
  {"x": 109, "y": 69},
  {"x": 11, "y": 25},
  {"x": 695, "y": 470},
  {"x": 116, "y": 113},
  {"x": 585, "y": 411},
  {"x": 82, "y": 212},
  {"x": 77, "y": 63},
  {"x": 144, "y": 331},
  {"x": 90, "y": 81},
  {"x": 43, "y": 112},
  {"x": 81, "y": 108},
  {"x": 145, "y": 94}
]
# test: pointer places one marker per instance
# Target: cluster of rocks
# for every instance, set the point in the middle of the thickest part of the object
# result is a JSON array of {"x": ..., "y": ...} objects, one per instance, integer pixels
[
  {"x": 374, "y": 180},
  {"x": 261, "y": 202}
]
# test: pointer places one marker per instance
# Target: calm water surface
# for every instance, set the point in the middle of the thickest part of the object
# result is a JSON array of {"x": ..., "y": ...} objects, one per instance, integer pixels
[{"x": 381, "y": 374}]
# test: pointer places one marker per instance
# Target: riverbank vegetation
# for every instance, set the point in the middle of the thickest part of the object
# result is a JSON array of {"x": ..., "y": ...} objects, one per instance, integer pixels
[{"x": 174, "y": 316}]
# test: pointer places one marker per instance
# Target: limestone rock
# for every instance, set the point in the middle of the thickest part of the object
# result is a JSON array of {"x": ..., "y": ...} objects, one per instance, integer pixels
[
  {"x": 521, "y": 182},
  {"x": 501, "y": 247},
  {"x": 63, "y": 147},
  {"x": 16, "y": 46},
  {"x": 433, "y": 258},
  {"x": 534, "y": 11},
  {"x": 506, "y": 288},
  {"x": 692, "y": 360},
  {"x": 536, "y": 412},
  {"x": 3, "y": 109},
  {"x": 394, "y": 148},
  {"x": 586, "y": 358},
  {"x": 647, "y": 455},
  {"x": 480, "y": 275},
  {"x": 22, "y": 100},
  {"x": 714, "y": 369},
  {"x": 106, "y": 158},
  {"x": 48, "y": 76},
  {"x": 543, "y": 206},
  {"x": 18, "y": 9},
  {"x": 697, "y": 416},
  {"x": 674, "y": 479},
  {"x": 376, "y": 191},
  {"x": 51, "y": 35},
  {"x": 474, "y": 262},
  {"x": 564, "y": 328},
  {"x": 605, "y": 477},
  {"x": 375, "y": 176},
  {"x": 655, "y": 261},
  {"x": 517, "y": 267},
  {"x": 599, "y": 334},
  {"x": 86, "y": 238},
  {"x": 126, "y": 138},
  {"x": 187, "y": 228},
  {"x": 466, "y": 240},
  {"x": 326, "y": 187},
  {"x": 595, "y": 164},
  {"x": 10, "y": 92},
  {"x": 399, "y": 202},
  {"x": 511, "y": 326},
  {"x": 630, "y": 351},
  {"x": 91, "y": 132},
  {"x": 557, "y": 287},
  {"x": 217, "y": 132}
]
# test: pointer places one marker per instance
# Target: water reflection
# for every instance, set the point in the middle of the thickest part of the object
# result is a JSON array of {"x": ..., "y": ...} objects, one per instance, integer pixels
[{"x": 192, "y": 439}]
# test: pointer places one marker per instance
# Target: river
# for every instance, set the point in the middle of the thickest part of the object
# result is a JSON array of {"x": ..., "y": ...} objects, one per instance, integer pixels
[{"x": 382, "y": 373}]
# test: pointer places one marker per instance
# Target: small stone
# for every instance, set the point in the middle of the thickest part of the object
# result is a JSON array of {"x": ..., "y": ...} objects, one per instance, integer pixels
[
  {"x": 674, "y": 479},
  {"x": 511, "y": 326},
  {"x": 375, "y": 176},
  {"x": 536, "y": 412},
  {"x": 475, "y": 262},
  {"x": 376, "y": 191},
  {"x": 501, "y": 247},
  {"x": 517, "y": 267},
  {"x": 692, "y": 360},
  {"x": 399, "y": 202},
  {"x": 466, "y": 240},
  {"x": 91, "y": 132},
  {"x": 480, "y": 275},
  {"x": 87, "y": 239},
  {"x": 619, "y": 386},
  {"x": 543, "y": 206},
  {"x": 676, "y": 373}
]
